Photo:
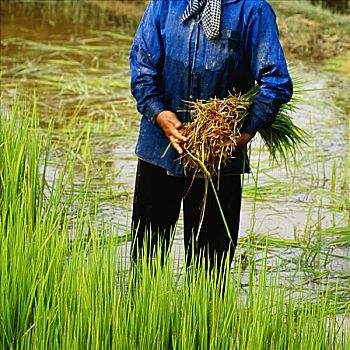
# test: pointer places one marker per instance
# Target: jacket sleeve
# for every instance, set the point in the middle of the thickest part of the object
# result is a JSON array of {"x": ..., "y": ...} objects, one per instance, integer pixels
[
  {"x": 146, "y": 61},
  {"x": 268, "y": 66}
]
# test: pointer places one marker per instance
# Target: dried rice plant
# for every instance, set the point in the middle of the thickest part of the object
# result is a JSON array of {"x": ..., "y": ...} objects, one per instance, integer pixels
[{"x": 211, "y": 136}]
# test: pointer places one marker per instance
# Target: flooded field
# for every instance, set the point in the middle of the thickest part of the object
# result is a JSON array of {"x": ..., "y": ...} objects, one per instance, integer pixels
[{"x": 78, "y": 75}]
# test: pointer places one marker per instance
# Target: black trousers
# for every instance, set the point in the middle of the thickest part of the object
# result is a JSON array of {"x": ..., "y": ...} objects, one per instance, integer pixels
[{"x": 156, "y": 208}]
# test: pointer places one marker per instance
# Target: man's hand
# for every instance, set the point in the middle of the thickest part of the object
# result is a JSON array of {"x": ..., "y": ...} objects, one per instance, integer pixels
[
  {"x": 171, "y": 127},
  {"x": 243, "y": 139}
]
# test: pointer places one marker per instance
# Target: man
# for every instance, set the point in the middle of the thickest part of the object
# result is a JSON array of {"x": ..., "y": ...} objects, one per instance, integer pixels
[{"x": 197, "y": 49}]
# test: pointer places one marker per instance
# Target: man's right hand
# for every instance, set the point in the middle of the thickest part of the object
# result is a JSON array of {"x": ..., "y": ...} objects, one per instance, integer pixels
[{"x": 171, "y": 127}]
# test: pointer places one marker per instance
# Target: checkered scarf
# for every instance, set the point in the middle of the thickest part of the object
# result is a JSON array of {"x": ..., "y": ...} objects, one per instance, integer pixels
[{"x": 211, "y": 15}]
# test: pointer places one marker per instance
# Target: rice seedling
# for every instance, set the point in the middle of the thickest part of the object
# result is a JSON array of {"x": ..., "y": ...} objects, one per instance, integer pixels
[
  {"x": 83, "y": 81},
  {"x": 65, "y": 284},
  {"x": 211, "y": 136},
  {"x": 65, "y": 280}
]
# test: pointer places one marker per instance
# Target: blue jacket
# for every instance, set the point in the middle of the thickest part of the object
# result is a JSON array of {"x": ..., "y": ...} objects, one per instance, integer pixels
[{"x": 172, "y": 62}]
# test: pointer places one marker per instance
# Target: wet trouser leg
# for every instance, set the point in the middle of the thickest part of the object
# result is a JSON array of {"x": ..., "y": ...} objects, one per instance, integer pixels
[
  {"x": 213, "y": 241},
  {"x": 157, "y": 202},
  {"x": 156, "y": 208}
]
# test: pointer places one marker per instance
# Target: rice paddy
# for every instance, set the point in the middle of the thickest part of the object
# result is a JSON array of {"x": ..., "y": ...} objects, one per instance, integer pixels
[{"x": 67, "y": 130}]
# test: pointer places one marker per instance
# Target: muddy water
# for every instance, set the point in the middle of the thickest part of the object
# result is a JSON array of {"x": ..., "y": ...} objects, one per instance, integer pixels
[{"x": 81, "y": 77}]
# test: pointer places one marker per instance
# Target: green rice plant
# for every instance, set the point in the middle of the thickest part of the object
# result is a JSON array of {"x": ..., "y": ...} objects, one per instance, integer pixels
[
  {"x": 283, "y": 139},
  {"x": 64, "y": 285},
  {"x": 216, "y": 124},
  {"x": 19, "y": 166},
  {"x": 65, "y": 280}
]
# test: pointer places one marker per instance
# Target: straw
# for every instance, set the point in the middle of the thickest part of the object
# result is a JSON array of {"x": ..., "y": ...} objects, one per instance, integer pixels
[
  {"x": 217, "y": 123},
  {"x": 211, "y": 138}
]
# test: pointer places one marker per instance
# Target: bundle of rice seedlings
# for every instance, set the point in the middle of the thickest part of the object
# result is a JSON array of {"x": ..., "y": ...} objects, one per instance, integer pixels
[
  {"x": 211, "y": 136},
  {"x": 217, "y": 123}
]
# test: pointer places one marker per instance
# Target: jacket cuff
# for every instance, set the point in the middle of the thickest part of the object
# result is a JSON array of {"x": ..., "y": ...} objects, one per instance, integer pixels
[
  {"x": 153, "y": 109},
  {"x": 261, "y": 115}
]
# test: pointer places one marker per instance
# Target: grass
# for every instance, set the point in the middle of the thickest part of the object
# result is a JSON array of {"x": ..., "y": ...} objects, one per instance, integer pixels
[
  {"x": 92, "y": 107},
  {"x": 73, "y": 13},
  {"x": 310, "y": 32},
  {"x": 339, "y": 64},
  {"x": 65, "y": 280},
  {"x": 95, "y": 118},
  {"x": 66, "y": 284}
]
